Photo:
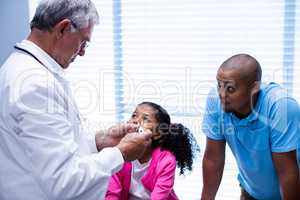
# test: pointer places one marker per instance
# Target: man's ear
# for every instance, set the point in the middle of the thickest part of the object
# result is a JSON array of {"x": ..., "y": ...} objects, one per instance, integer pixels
[
  {"x": 62, "y": 27},
  {"x": 255, "y": 87}
]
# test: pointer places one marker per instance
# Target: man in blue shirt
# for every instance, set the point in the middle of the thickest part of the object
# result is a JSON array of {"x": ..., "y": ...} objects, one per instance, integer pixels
[{"x": 260, "y": 123}]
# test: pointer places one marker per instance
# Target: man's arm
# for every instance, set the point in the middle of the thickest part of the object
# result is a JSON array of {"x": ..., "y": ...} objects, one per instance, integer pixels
[
  {"x": 284, "y": 123},
  {"x": 213, "y": 165},
  {"x": 288, "y": 173}
]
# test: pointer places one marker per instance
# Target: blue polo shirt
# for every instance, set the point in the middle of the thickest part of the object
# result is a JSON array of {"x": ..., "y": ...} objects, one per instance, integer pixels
[{"x": 273, "y": 126}]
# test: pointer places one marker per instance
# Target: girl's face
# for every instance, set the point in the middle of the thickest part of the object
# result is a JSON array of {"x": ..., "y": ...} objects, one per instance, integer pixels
[{"x": 144, "y": 116}]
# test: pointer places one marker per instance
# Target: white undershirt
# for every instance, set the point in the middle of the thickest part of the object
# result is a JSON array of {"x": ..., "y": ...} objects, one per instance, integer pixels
[{"x": 137, "y": 190}]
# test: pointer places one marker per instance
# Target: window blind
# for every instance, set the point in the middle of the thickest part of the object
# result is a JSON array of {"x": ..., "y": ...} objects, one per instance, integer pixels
[
  {"x": 293, "y": 45},
  {"x": 93, "y": 75}
]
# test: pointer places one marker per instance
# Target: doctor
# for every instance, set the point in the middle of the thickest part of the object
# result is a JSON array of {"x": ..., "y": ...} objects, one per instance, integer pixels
[{"x": 44, "y": 152}]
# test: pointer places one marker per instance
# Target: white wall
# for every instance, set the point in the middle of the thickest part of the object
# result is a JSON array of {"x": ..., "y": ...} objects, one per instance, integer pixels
[{"x": 14, "y": 21}]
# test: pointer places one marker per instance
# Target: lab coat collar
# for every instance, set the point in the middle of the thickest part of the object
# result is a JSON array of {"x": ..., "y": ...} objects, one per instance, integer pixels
[{"x": 42, "y": 56}]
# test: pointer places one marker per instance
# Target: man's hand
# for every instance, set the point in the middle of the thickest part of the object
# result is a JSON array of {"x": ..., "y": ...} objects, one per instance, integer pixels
[
  {"x": 133, "y": 145},
  {"x": 113, "y": 135}
]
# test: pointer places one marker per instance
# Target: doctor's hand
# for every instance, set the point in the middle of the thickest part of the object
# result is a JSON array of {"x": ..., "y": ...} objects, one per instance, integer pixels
[
  {"x": 112, "y": 136},
  {"x": 133, "y": 145}
]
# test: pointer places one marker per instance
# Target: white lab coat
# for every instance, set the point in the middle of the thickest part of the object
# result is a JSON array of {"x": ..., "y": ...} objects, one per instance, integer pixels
[{"x": 44, "y": 152}]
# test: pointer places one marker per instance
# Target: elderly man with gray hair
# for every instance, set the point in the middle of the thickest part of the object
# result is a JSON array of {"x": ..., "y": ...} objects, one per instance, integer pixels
[{"x": 44, "y": 151}]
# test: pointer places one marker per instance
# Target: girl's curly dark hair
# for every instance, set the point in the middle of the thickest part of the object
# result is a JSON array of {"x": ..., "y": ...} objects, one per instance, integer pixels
[{"x": 175, "y": 138}]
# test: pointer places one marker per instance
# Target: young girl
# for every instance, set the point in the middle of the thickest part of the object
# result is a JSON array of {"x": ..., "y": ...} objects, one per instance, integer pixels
[{"x": 152, "y": 176}]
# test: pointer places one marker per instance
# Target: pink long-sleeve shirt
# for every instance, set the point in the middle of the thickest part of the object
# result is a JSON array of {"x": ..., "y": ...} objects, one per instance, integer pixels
[{"x": 159, "y": 178}]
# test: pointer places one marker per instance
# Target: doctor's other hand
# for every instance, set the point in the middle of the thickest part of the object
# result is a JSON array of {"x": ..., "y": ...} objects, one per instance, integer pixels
[
  {"x": 133, "y": 145},
  {"x": 112, "y": 136}
]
